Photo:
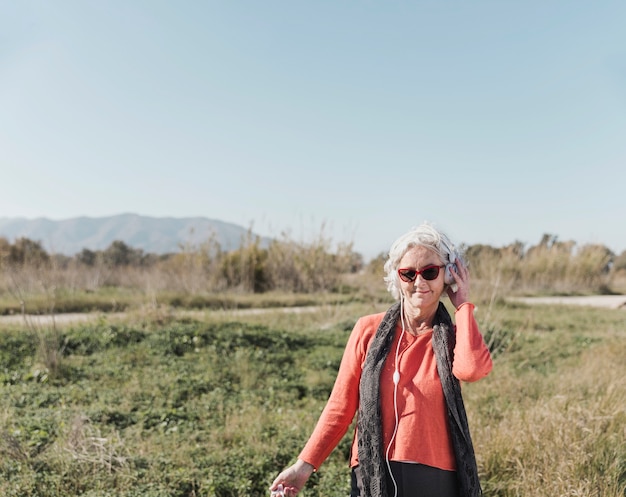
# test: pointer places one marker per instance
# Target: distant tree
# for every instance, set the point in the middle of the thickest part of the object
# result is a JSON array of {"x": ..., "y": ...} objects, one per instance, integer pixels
[
  {"x": 87, "y": 257},
  {"x": 620, "y": 262},
  {"x": 376, "y": 263},
  {"x": 356, "y": 261},
  {"x": 547, "y": 240},
  {"x": 118, "y": 254},
  {"x": 60, "y": 261},
  {"x": 595, "y": 258},
  {"x": 246, "y": 267},
  {"x": 5, "y": 250},
  {"x": 26, "y": 252}
]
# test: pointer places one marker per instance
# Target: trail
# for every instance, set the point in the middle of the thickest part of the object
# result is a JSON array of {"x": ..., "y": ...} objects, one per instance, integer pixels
[
  {"x": 38, "y": 320},
  {"x": 600, "y": 301}
]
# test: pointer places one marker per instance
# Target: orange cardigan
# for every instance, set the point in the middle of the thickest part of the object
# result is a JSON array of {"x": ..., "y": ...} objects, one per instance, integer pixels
[{"x": 423, "y": 435}]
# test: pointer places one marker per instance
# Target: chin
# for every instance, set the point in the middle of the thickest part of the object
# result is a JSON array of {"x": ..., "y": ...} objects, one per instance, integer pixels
[{"x": 420, "y": 301}]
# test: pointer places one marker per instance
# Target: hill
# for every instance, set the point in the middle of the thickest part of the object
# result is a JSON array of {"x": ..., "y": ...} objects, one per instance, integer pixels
[{"x": 157, "y": 235}]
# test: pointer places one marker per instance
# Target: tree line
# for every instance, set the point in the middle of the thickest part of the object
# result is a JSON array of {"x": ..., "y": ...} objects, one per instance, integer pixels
[{"x": 286, "y": 265}]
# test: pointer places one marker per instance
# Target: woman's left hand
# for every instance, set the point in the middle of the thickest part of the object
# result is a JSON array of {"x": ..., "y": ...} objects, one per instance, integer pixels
[{"x": 461, "y": 278}]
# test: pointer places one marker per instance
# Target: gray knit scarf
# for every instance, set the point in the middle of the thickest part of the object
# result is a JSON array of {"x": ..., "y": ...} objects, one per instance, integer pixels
[{"x": 370, "y": 443}]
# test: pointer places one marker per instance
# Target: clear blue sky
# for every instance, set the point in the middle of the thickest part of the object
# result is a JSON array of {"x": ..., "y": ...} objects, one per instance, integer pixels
[{"x": 496, "y": 120}]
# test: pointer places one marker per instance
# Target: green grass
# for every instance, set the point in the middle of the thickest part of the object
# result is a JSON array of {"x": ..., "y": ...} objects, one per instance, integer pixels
[
  {"x": 219, "y": 404},
  {"x": 110, "y": 299}
]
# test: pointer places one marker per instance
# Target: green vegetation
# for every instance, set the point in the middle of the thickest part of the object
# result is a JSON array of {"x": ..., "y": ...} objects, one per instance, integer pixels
[
  {"x": 203, "y": 373},
  {"x": 217, "y": 405}
]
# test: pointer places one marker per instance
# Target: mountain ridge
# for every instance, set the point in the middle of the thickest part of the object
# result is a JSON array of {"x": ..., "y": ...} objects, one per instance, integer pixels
[{"x": 156, "y": 235}]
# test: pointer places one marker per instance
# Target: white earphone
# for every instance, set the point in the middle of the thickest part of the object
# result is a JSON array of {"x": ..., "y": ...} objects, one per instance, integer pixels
[{"x": 396, "y": 380}]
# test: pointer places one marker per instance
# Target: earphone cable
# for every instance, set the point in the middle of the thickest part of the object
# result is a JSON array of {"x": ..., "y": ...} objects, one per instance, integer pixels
[{"x": 396, "y": 380}]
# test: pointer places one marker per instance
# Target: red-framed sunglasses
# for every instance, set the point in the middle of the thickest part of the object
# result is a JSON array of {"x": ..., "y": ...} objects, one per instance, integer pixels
[{"x": 429, "y": 273}]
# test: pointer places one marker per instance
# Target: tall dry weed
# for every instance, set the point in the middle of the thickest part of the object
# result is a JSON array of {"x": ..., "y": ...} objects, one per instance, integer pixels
[
  {"x": 557, "y": 435},
  {"x": 87, "y": 446}
]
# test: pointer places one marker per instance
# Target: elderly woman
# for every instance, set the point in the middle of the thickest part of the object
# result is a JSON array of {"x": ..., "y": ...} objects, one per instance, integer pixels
[{"x": 401, "y": 371}]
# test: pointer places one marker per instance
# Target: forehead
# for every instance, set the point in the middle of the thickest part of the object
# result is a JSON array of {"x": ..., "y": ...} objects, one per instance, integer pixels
[{"x": 419, "y": 256}]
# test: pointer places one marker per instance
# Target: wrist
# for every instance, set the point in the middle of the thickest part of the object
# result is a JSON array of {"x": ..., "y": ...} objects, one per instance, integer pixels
[
  {"x": 464, "y": 303},
  {"x": 304, "y": 467}
]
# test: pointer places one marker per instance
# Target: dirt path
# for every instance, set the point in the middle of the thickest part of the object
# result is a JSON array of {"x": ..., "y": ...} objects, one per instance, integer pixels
[
  {"x": 59, "y": 319},
  {"x": 71, "y": 318},
  {"x": 604, "y": 301}
]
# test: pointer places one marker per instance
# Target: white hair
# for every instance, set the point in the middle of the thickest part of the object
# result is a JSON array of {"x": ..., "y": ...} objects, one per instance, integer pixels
[{"x": 424, "y": 235}]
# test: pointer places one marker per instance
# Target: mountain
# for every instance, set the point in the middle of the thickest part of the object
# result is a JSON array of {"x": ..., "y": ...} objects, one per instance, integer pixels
[{"x": 156, "y": 235}]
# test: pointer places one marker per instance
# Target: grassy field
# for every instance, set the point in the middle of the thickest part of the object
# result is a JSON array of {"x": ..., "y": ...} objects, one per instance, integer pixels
[{"x": 158, "y": 404}]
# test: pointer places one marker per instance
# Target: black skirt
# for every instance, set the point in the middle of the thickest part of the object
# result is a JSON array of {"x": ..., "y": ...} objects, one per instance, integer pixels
[{"x": 413, "y": 480}]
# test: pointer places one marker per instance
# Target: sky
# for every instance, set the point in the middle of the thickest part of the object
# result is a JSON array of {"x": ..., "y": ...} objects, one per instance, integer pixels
[{"x": 497, "y": 121}]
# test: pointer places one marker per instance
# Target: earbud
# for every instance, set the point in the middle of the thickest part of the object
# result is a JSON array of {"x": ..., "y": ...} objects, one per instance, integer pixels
[{"x": 396, "y": 377}]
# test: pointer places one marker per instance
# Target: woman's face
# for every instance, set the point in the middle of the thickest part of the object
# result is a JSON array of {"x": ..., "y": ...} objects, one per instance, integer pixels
[{"x": 421, "y": 293}]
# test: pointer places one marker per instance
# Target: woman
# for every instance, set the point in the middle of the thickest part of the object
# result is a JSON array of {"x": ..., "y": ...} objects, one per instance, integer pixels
[{"x": 401, "y": 371}]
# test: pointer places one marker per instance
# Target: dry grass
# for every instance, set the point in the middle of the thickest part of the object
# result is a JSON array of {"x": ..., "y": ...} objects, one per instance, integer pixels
[
  {"x": 84, "y": 443},
  {"x": 557, "y": 434},
  {"x": 194, "y": 276}
]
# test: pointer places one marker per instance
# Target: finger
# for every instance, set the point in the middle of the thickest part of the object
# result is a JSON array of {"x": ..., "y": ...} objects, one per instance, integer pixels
[{"x": 462, "y": 271}]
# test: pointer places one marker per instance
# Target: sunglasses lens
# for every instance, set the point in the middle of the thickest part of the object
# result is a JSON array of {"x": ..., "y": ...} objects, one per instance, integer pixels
[
  {"x": 407, "y": 274},
  {"x": 430, "y": 273}
]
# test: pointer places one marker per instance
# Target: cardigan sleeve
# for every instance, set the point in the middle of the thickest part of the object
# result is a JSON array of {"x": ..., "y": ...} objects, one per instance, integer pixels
[
  {"x": 472, "y": 360},
  {"x": 343, "y": 401}
]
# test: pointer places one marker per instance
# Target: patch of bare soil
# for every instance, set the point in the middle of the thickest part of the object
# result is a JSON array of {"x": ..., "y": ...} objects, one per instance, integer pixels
[
  {"x": 49, "y": 319},
  {"x": 70, "y": 318},
  {"x": 604, "y": 301}
]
